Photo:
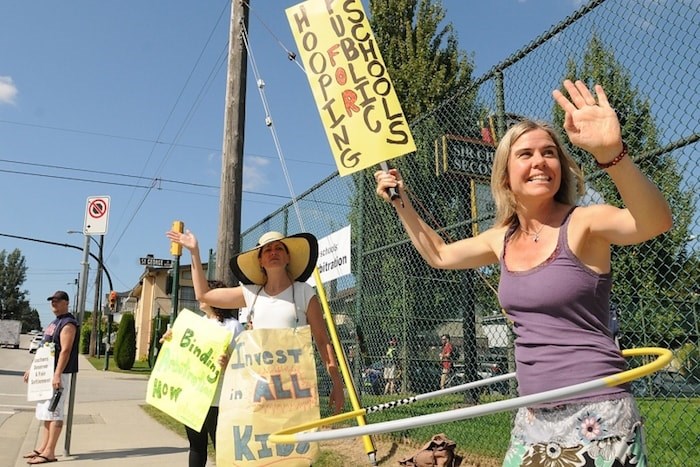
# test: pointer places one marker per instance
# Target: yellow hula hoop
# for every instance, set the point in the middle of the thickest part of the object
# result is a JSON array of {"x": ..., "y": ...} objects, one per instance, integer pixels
[{"x": 301, "y": 433}]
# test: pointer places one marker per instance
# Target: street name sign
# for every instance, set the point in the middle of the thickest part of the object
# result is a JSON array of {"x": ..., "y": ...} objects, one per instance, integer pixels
[{"x": 156, "y": 262}]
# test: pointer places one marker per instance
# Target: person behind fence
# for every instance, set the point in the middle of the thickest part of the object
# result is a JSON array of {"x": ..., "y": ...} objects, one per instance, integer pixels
[
  {"x": 272, "y": 281},
  {"x": 62, "y": 334},
  {"x": 556, "y": 276},
  {"x": 445, "y": 359},
  {"x": 199, "y": 439},
  {"x": 390, "y": 367}
]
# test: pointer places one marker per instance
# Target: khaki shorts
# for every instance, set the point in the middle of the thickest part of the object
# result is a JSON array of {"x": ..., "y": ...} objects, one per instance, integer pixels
[
  {"x": 42, "y": 407},
  {"x": 390, "y": 372}
]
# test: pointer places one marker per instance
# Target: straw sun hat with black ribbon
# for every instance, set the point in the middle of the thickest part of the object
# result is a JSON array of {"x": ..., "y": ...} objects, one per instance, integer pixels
[{"x": 303, "y": 253}]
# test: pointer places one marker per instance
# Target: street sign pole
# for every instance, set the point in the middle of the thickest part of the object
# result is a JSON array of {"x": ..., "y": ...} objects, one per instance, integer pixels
[
  {"x": 81, "y": 315},
  {"x": 176, "y": 251},
  {"x": 176, "y": 288}
]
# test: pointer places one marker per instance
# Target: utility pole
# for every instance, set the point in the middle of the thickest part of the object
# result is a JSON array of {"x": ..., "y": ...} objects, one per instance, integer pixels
[
  {"x": 96, "y": 308},
  {"x": 229, "y": 234}
]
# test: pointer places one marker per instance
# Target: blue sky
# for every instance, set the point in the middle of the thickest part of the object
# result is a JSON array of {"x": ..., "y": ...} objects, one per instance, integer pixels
[{"x": 101, "y": 98}]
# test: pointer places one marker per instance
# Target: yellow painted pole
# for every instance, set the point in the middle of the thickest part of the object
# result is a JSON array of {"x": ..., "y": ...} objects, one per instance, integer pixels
[
  {"x": 342, "y": 363},
  {"x": 475, "y": 212}
]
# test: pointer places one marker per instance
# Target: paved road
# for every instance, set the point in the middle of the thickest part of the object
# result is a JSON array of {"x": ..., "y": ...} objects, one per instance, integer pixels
[{"x": 108, "y": 425}]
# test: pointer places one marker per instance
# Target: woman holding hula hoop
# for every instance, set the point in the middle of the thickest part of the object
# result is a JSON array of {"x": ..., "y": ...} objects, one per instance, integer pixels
[{"x": 556, "y": 277}]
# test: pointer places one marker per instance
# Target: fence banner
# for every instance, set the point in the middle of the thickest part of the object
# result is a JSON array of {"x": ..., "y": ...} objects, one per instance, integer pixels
[
  {"x": 334, "y": 256},
  {"x": 351, "y": 86},
  {"x": 269, "y": 384},
  {"x": 184, "y": 379},
  {"x": 41, "y": 374}
]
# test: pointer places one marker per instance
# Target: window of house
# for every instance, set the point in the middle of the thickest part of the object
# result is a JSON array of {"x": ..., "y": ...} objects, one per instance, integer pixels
[{"x": 188, "y": 300}]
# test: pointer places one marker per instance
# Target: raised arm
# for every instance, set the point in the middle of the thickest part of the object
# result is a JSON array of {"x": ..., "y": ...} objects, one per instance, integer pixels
[
  {"x": 463, "y": 254},
  {"x": 592, "y": 125},
  {"x": 229, "y": 297}
]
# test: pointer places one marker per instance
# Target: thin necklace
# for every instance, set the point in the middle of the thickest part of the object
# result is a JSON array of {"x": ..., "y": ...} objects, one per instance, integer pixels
[{"x": 535, "y": 235}]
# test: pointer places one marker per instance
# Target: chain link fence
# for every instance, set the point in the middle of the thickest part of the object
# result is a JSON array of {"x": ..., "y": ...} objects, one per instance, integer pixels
[{"x": 645, "y": 54}]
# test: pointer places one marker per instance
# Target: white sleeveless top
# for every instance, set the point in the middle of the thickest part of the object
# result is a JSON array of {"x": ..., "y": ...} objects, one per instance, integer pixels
[{"x": 285, "y": 310}]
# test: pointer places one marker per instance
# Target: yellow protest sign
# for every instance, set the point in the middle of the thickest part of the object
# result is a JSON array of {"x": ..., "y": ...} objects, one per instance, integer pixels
[
  {"x": 351, "y": 86},
  {"x": 184, "y": 379},
  {"x": 269, "y": 384}
]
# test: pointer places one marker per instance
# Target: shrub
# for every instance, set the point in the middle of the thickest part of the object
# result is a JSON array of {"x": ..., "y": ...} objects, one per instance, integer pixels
[
  {"x": 125, "y": 345},
  {"x": 688, "y": 357},
  {"x": 158, "y": 326},
  {"x": 84, "y": 345}
]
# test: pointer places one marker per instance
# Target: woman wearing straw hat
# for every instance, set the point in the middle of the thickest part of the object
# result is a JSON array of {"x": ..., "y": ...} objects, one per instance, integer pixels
[{"x": 273, "y": 290}]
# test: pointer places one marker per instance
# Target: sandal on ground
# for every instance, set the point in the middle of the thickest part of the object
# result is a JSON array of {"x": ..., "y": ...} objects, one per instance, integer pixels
[
  {"x": 41, "y": 460},
  {"x": 31, "y": 455}
]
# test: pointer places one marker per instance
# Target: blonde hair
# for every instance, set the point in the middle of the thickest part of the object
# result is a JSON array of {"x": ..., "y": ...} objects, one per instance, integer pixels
[{"x": 571, "y": 186}]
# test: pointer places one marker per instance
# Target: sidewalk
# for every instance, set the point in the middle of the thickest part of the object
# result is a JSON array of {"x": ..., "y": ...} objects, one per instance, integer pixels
[{"x": 110, "y": 427}]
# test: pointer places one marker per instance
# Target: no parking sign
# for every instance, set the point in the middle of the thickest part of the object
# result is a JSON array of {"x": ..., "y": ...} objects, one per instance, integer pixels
[{"x": 96, "y": 215}]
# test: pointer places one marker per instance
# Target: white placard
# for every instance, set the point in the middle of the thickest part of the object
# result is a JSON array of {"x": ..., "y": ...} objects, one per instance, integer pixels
[
  {"x": 333, "y": 256},
  {"x": 41, "y": 375}
]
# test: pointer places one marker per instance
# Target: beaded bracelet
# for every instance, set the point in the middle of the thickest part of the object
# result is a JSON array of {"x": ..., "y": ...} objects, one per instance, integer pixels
[{"x": 615, "y": 161}]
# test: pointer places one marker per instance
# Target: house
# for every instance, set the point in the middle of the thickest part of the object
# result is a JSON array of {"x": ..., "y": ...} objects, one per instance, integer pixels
[{"x": 151, "y": 299}]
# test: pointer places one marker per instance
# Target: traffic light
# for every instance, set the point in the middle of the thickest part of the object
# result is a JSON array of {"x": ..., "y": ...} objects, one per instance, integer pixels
[
  {"x": 176, "y": 248},
  {"x": 113, "y": 300}
]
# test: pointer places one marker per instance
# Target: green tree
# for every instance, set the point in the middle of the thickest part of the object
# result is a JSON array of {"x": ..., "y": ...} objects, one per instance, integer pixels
[
  {"x": 653, "y": 277},
  {"x": 125, "y": 345},
  {"x": 422, "y": 57},
  {"x": 30, "y": 319},
  {"x": 13, "y": 300},
  {"x": 426, "y": 67}
]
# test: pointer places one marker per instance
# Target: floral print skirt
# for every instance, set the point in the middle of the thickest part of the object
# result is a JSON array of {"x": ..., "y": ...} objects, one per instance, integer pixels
[{"x": 595, "y": 434}]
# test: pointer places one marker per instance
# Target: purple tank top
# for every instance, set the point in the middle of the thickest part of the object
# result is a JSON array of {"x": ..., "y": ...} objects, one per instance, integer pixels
[{"x": 561, "y": 310}]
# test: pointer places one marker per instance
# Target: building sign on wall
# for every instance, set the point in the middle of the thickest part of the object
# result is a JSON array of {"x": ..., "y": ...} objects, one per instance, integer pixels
[{"x": 462, "y": 155}]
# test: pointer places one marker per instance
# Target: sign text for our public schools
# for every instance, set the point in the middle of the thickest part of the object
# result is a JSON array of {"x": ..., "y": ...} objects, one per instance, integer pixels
[{"x": 350, "y": 79}]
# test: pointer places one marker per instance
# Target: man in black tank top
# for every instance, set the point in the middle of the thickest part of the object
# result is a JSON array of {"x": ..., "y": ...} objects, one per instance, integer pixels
[{"x": 62, "y": 333}]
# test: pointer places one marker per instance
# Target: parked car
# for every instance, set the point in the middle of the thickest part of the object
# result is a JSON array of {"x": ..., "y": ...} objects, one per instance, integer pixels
[
  {"x": 423, "y": 376},
  {"x": 459, "y": 376},
  {"x": 35, "y": 343},
  {"x": 667, "y": 383}
]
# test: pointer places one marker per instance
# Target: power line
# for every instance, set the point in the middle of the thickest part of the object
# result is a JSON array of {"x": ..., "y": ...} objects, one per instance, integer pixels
[
  {"x": 102, "y": 172},
  {"x": 162, "y": 130},
  {"x": 150, "y": 141},
  {"x": 105, "y": 135},
  {"x": 157, "y": 180},
  {"x": 65, "y": 245}
]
